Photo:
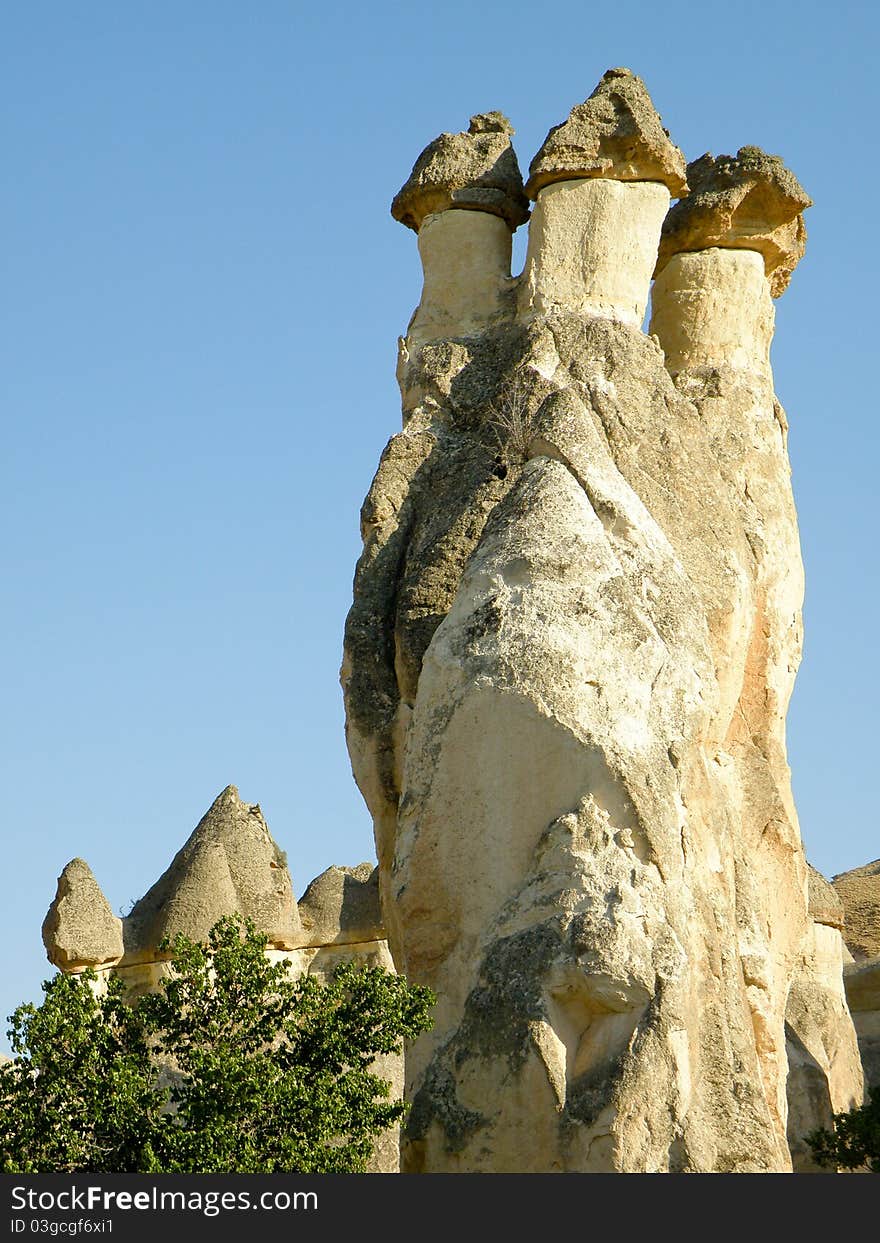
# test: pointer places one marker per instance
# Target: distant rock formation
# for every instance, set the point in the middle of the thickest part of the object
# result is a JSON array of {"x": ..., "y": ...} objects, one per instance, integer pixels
[
  {"x": 575, "y": 630},
  {"x": 859, "y": 892},
  {"x": 823, "y": 1058},
  {"x": 229, "y": 865}
]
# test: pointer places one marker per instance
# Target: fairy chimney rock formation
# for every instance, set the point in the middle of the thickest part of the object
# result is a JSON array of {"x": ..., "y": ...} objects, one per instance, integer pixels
[
  {"x": 602, "y": 183},
  {"x": 341, "y": 907},
  {"x": 574, "y": 634},
  {"x": 725, "y": 252},
  {"x": 464, "y": 197},
  {"x": 749, "y": 201},
  {"x": 230, "y": 865},
  {"x": 80, "y": 929}
]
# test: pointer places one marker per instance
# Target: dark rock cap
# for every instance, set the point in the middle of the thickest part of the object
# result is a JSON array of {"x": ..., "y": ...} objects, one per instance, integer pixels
[
  {"x": 617, "y": 134},
  {"x": 749, "y": 201},
  {"x": 477, "y": 170}
]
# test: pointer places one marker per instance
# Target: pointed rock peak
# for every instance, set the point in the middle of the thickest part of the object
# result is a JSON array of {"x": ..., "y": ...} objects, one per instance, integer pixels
[
  {"x": 230, "y": 864},
  {"x": 227, "y": 809},
  {"x": 617, "y": 134},
  {"x": 749, "y": 201},
  {"x": 80, "y": 929},
  {"x": 477, "y": 171}
]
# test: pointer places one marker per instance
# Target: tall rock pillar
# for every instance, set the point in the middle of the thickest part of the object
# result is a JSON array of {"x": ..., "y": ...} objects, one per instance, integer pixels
[
  {"x": 566, "y": 671},
  {"x": 727, "y": 251}
]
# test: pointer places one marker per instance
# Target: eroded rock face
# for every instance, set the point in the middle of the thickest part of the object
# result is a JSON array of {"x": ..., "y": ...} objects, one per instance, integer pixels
[
  {"x": 824, "y": 1064},
  {"x": 341, "y": 907},
  {"x": 862, "y": 983},
  {"x": 575, "y": 628},
  {"x": 859, "y": 891}
]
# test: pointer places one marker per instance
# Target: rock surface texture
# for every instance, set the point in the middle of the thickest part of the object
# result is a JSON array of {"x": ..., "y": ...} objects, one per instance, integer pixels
[
  {"x": 575, "y": 630},
  {"x": 230, "y": 865},
  {"x": 824, "y": 1063},
  {"x": 859, "y": 892}
]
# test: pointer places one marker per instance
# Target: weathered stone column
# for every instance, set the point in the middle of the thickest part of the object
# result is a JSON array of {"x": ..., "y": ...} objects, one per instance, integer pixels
[
  {"x": 726, "y": 252},
  {"x": 567, "y": 663},
  {"x": 712, "y": 308},
  {"x": 464, "y": 198},
  {"x": 601, "y": 199}
]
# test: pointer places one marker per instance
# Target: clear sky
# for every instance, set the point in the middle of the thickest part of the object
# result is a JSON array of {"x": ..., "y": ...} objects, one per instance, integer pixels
[{"x": 202, "y": 289}]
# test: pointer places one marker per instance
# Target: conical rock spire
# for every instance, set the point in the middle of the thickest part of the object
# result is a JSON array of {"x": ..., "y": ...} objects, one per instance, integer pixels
[
  {"x": 80, "y": 929},
  {"x": 230, "y": 864}
]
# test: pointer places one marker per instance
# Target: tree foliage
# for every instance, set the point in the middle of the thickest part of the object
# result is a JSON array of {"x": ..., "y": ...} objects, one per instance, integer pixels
[
  {"x": 231, "y": 1067},
  {"x": 854, "y": 1140}
]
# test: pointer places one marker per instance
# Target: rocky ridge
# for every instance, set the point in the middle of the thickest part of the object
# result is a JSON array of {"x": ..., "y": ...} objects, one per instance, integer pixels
[{"x": 229, "y": 865}]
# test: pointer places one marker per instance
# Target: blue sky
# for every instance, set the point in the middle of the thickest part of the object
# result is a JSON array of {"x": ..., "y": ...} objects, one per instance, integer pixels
[{"x": 202, "y": 291}]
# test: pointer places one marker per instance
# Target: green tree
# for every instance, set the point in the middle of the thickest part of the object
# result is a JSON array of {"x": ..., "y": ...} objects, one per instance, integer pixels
[
  {"x": 80, "y": 1093},
  {"x": 232, "y": 1067},
  {"x": 854, "y": 1140}
]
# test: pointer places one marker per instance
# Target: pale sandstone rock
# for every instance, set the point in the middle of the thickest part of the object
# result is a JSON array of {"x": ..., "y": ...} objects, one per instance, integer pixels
[
  {"x": 824, "y": 902},
  {"x": 341, "y": 906},
  {"x": 617, "y": 134},
  {"x": 592, "y": 248},
  {"x": 467, "y": 285},
  {"x": 862, "y": 982},
  {"x": 749, "y": 201},
  {"x": 229, "y": 865},
  {"x": 477, "y": 171},
  {"x": 859, "y": 891},
  {"x": 80, "y": 929},
  {"x": 713, "y": 317},
  {"x": 574, "y": 634},
  {"x": 713, "y": 308},
  {"x": 824, "y": 1064}
]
